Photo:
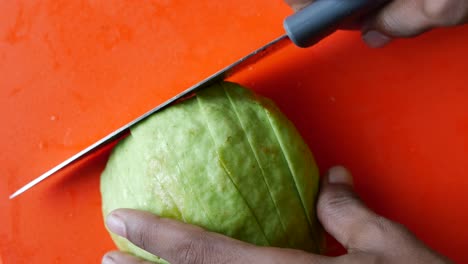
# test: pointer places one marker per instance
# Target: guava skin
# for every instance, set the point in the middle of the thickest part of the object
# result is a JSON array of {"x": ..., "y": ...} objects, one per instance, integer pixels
[{"x": 227, "y": 160}]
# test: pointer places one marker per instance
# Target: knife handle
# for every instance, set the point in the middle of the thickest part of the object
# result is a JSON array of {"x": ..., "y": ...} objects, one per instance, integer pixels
[{"x": 321, "y": 18}]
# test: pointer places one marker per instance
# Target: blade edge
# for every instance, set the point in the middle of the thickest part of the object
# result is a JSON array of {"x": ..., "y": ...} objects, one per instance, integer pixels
[{"x": 222, "y": 74}]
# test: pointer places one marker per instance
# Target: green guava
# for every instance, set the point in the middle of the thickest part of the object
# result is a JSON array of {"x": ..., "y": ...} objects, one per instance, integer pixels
[{"x": 227, "y": 160}]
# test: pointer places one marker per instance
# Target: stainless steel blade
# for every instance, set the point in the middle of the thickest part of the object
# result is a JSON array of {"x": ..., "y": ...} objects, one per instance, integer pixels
[{"x": 230, "y": 70}]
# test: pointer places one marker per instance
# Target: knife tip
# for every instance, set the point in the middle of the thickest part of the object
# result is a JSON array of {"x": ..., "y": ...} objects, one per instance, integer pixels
[
  {"x": 21, "y": 190},
  {"x": 15, "y": 194}
]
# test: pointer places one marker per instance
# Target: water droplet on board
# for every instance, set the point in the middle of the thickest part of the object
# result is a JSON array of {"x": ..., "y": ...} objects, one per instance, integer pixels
[{"x": 53, "y": 117}]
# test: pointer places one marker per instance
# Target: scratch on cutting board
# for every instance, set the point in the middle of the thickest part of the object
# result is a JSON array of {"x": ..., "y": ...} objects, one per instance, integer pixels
[{"x": 67, "y": 139}]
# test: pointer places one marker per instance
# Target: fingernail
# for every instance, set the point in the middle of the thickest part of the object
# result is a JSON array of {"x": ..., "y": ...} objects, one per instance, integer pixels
[
  {"x": 375, "y": 39},
  {"x": 108, "y": 259},
  {"x": 116, "y": 224},
  {"x": 299, "y": 6},
  {"x": 339, "y": 175}
]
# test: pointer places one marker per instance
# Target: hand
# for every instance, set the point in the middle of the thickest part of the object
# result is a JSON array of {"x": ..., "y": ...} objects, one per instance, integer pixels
[
  {"x": 368, "y": 237},
  {"x": 406, "y": 18}
]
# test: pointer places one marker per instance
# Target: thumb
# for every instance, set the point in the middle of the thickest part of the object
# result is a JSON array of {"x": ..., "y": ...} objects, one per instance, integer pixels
[
  {"x": 345, "y": 217},
  {"x": 298, "y": 4},
  {"x": 408, "y": 18}
]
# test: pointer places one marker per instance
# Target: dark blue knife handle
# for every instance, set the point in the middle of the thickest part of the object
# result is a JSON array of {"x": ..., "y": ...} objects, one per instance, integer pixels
[{"x": 321, "y": 18}]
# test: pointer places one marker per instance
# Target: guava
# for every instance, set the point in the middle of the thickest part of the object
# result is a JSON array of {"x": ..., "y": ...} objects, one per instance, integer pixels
[{"x": 227, "y": 160}]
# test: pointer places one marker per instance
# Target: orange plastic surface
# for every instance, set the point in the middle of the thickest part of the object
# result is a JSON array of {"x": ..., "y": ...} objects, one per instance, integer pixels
[{"x": 73, "y": 71}]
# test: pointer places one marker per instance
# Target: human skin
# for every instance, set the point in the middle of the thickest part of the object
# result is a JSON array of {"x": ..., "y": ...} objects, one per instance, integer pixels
[
  {"x": 406, "y": 18},
  {"x": 368, "y": 237}
]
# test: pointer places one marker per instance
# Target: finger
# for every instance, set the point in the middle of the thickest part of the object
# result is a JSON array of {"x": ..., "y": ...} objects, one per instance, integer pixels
[
  {"x": 407, "y": 18},
  {"x": 298, "y": 4},
  {"x": 346, "y": 218},
  {"x": 174, "y": 241},
  {"x": 116, "y": 257},
  {"x": 177, "y": 242}
]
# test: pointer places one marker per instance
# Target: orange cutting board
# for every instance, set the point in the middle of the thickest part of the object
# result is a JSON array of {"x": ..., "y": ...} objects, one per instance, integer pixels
[{"x": 73, "y": 71}]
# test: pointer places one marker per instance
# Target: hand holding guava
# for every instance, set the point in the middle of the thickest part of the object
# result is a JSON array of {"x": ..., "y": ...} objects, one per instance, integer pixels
[{"x": 368, "y": 237}]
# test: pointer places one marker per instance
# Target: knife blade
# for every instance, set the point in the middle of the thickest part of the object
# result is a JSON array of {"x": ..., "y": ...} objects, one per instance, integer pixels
[{"x": 304, "y": 29}]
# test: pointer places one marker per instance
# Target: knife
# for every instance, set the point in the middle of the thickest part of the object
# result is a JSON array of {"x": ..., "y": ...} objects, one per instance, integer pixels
[{"x": 304, "y": 28}]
